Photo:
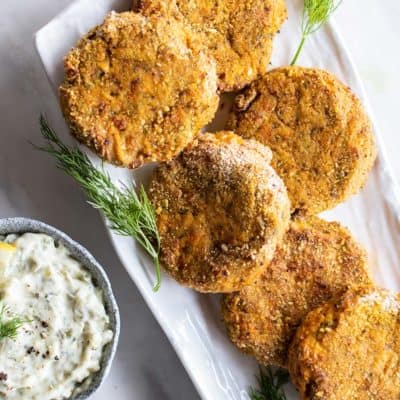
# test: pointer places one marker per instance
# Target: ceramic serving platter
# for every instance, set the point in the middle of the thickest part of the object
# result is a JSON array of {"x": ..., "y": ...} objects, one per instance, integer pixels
[{"x": 190, "y": 320}]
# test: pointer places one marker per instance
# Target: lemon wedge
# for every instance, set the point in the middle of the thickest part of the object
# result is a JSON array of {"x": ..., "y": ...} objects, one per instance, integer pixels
[
  {"x": 7, "y": 250},
  {"x": 7, "y": 246}
]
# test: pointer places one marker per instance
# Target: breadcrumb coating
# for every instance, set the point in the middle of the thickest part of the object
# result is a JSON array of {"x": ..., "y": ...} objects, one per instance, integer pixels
[
  {"x": 238, "y": 34},
  {"x": 317, "y": 261},
  {"x": 221, "y": 210},
  {"x": 317, "y": 129},
  {"x": 138, "y": 88},
  {"x": 349, "y": 349}
]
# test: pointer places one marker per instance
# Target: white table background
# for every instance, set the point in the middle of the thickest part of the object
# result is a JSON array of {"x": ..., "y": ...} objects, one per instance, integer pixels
[{"x": 145, "y": 367}]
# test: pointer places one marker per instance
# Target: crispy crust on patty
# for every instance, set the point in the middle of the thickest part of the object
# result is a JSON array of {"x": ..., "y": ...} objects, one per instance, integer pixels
[
  {"x": 138, "y": 88},
  {"x": 239, "y": 34},
  {"x": 317, "y": 129},
  {"x": 349, "y": 350},
  {"x": 221, "y": 210},
  {"x": 317, "y": 261}
]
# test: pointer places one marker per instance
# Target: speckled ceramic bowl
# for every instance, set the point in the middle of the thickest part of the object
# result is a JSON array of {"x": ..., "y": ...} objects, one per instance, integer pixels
[{"x": 23, "y": 225}]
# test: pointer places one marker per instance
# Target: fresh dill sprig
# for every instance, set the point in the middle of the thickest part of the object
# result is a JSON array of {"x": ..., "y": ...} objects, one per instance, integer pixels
[
  {"x": 9, "y": 327},
  {"x": 270, "y": 384},
  {"x": 315, "y": 14},
  {"x": 129, "y": 213}
]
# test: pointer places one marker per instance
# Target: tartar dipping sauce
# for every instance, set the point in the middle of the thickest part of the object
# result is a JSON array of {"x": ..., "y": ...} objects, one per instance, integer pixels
[{"x": 66, "y": 327}]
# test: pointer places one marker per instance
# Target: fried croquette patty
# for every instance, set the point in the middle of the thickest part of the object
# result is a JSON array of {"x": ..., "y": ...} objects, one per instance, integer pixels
[
  {"x": 221, "y": 209},
  {"x": 320, "y": 135},
  {"x": 316, "y": 261},
  {"x": 239, "y": 34},
  {"x": 138, "y": 88},
  {"x": 349, "y": 350}
]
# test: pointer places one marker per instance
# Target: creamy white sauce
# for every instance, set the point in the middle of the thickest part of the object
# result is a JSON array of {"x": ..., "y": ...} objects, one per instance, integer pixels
[{"x": 61, "y": 345}]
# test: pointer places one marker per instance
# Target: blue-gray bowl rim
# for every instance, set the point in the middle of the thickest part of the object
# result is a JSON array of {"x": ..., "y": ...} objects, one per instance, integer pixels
[{"x": 20, "y": 225}]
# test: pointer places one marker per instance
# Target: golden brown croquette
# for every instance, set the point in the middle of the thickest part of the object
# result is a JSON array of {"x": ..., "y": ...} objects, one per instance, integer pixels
[
  {"x": 317, "y": 261},
  {"x": 349, "y": 349},
  {"x": 321, "y": 138},
  {"x": 221, "y": 210},
  {"x": 238, "y": 34},
  {"x": 138, "y": 88}
]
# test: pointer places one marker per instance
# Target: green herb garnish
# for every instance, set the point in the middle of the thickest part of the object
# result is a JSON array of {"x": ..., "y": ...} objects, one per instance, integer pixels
[
  {"x": 9, "y": 327},
  {"x": 270, "y": 384},
  {"x": 128, "y": 213},
  {"x": 315, "y": 14}
]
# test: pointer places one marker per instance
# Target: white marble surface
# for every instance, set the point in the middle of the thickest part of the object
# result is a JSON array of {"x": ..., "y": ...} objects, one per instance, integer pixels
[{"x": 145, "y": 366}]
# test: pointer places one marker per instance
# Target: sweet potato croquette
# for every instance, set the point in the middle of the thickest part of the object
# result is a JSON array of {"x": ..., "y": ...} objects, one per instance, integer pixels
[
  {"x": 349, "y": 349},
  {"x": 138, "y": 88},
  {"x": 238, "y": 34},
  {"x": 319, "y": 134},
  {"x": 221, "y": 210},
  {"x": 316, "y": 261}
]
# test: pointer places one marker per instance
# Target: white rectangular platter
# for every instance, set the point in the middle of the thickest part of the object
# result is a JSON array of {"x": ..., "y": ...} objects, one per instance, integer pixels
[{"x": 191, "y": 320}]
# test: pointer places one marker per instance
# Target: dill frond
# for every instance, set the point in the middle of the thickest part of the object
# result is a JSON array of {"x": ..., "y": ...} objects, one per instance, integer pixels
[
  {"x": 270, "y": 384},
  {"x": 9, "y": 327},
  {"x": 315, "y": 14},
  {"x": 129, "y": 213}
]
